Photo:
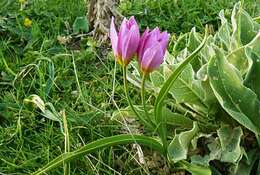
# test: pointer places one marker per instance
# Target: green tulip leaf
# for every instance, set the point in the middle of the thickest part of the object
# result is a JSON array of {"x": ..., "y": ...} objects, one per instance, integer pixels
[
  {"x": 223, "y": 35},
  {"x": 166, "y": 88},
  {"x": 252, "y": 79},
  {"x": 185, "y": 89},
  {"x": 157, "y": 78},
  {"x": 225, "y": 148},
  {"x": 209, "y": 96},
  {"x": 255, "y": 44},
  {"x": 180, "y": 43},
  {"x": 195, "y": 169},
  {"x": 178, "y": 148},
  {"x": 176, "y": 119},
  {"x": 233, "y": 96},
  {"x": 244, "y": 27},
  {"x": 98, "y": 144},
  {"x": 193, "y": 43},
  {"x": 240, "y": 58},
  {"x": 246, "y": 165},
  {"x": 201, "y": 160},
  {"x": 230, "y": 143},
  {"x": 194, "y": 40}
]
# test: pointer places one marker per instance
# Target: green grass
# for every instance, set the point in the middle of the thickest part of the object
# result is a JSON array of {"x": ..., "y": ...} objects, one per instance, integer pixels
[
  {"x": 83, "y": 82},
  {"x": 179, "y": 16}
]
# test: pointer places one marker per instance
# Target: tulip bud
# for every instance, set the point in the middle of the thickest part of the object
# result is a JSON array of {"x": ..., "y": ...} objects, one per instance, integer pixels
[
  {"x": 125, "y": 42},
  {"x": 151, "y": 49}
]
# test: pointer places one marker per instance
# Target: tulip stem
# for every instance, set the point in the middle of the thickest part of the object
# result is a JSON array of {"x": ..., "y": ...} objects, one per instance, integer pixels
[
  {"x": 140, "y": 117},
  {"x": 143, "y": 98}
]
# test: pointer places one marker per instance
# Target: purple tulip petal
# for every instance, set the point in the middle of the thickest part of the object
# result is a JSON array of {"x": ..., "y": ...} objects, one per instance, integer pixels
[
  {"x": 123, "y": 31},
  {"x": 142, "y": 43},
  {"x": 164, "y": 40},
  {"x": 130, "y": 44},
  {"x": 113, "y": 36},
  {"x": 152, "y": 58},
  {"x": 151, "y": 38},
  {"x": 151, "y": 49},
  {"x": 132, "y": 22},
  {"x": 155, "y": 33}
]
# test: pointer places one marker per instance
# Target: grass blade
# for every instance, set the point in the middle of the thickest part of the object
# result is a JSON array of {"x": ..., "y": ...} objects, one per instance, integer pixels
[
  {"x": 98, "y": 144},
  {"x": 66, "y": 166}
]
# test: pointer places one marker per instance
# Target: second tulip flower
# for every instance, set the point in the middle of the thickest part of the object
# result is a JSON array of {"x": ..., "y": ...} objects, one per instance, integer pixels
[{"x": 151, "y": 49}]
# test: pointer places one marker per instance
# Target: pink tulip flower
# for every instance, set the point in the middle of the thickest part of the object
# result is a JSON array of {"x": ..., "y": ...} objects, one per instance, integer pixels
[
  {"x": 151, "y": 49},
  {"x": 125, "y": 42}
]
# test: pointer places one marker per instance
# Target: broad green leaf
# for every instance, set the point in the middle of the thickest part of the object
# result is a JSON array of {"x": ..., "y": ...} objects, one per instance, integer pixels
[
  {"x": 223, "y": 34},
  {"x": 118, "y": 114},
  {"x": 169, "y": 58},
  {"x": 185, "y": 89},
  {"x": 201, "y": 160},
  {"x": 244, "y": 27},
  {"x": 246, "y": 165},
  {"x": 249, "y": 28},
  {"x": 157, "y": 78},
  {"x": 240, "y": 59},
  {"x": 50, "y": 115},
  {"x": 55, "y": 115},
  {"x": 255, "y": 44},
  {"x": 166, "y": 88},
  {"x": 182, "y": 55},
  {"x": 235, "y": 38},
  {"x": 37, "y": 101},
  {"x": 209, "y": 97},
  {"x": 176, "y": 119},
  {"x": 127, "y": 113},
  {"x": 243, "y": 58},
  {"x": 230, "y": 144},
  {"x": 214, "y": 153},
  {"x": 180, "y": 43},
  {"x": 215, "y": 171},
  {"x": 252, "y": 79},
  {"x": 178, "y": 148},
  {"x": 172, "y": 118},
  {"x": 80, "y": 25},
  {"x": 135, "y": 80},
  {"x": 215, "y": 150},
  {"x": 195, "y": 169},
  {"x": 198, "y": 170},
  {"x": 207, "y": 52},
  {"x": 193, "y": 42},
  {"x": 200, "y": 135},
  {"x": 202, "y": 73},
  {"x": 99, "y": 144},
  {"x": 225, "y": 148},
  {"x": 232, "y": 95}
]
